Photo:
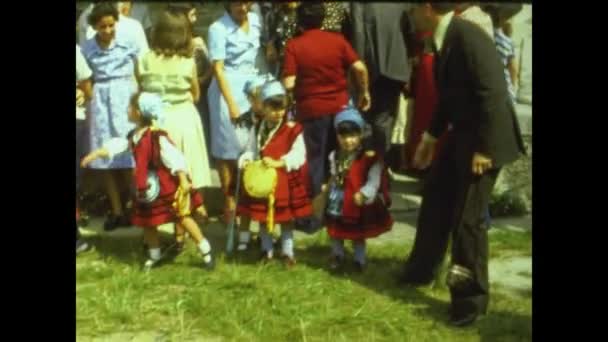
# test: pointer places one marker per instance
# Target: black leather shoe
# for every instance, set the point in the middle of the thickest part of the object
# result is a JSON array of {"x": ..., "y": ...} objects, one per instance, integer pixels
[
  {"x": 463, "y": 320},
  {"x": 359, "y": 267}
]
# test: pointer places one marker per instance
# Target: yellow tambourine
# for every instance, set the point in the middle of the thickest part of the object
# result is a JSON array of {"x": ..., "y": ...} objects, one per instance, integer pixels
[{"x": 260, "y": 182}]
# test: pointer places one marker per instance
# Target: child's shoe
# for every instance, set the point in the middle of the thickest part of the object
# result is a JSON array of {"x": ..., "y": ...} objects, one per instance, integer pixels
[
  {"x": 151, "y": 263},
  {"x": 266, "y": 257},
  {"x": 336, "y": 263},
  {"x": 208, "y": 265},
  {"x": 81, "y": 246},
  {"x": 290, "y": 262},
  {"x": 359, "y": 267}
]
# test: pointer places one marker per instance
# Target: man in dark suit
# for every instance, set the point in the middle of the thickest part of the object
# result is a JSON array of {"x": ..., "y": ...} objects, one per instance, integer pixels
[
  {"x": 484, "y": 135},
  {"x": 380, "y": 33}
]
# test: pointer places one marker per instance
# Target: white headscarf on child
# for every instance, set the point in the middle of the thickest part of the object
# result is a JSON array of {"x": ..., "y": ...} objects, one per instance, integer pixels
[{"x": 151, "y": 106}]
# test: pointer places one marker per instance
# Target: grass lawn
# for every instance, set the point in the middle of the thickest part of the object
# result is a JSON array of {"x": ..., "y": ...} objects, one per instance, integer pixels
[{"x": 246, "y": 301}]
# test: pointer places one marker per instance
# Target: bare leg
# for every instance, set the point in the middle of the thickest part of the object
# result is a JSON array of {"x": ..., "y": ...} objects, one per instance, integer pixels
[
  {"x": 153, "y": 242},
  {"x": 151, "y": 237},
  {"x": 188, "y": 224},
  {"x": 226, "y": 169},
  {"x": 113, "y": 192}
]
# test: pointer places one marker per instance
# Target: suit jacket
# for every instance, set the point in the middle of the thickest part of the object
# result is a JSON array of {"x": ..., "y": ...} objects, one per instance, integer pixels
[
  {"x": 380, "y": 33},
  {"x": 473, "y": 94}
]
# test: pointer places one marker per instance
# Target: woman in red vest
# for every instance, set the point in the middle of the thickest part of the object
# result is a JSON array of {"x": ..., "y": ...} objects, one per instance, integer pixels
[
  {"x": 358, "y": 199},
  {"x": 280, "y": 145},
  {"x": 160, "y": 173}
]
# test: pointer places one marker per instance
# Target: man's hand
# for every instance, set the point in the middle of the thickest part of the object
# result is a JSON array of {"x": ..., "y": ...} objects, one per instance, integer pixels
[
  {"x": 364, "y": 101},
  {"x": 424, "y": 153},
  {"x": 359, "y": 199},
  {"x": 480, "y": 164}
]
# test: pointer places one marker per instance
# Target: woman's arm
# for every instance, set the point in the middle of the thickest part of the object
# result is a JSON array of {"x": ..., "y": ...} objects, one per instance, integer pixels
[
  {"x": 218, "y": 72},
  {"x": 194, "y": 85},
  {"x": 87, "y": 88},
  {"x": 359, "y": 71}
]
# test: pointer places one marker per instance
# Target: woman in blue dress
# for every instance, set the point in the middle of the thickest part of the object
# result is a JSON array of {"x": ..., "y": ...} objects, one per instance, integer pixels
[
  {"x": 234, "y": 41},
  {"x": 112, "y": 59}
]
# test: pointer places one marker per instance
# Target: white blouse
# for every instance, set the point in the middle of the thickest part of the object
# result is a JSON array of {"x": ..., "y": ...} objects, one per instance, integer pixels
[{"x": 170, "y": 156}]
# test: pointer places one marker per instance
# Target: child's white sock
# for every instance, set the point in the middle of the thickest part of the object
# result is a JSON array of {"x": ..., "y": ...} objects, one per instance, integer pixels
[
  {"x": 287, "y": 242},
  {"x": 359, "y": 246},
  {"x": 205, "y": 248},
  {"x": 337, "y": 247},
  {"x": 244, "y": 240},
  {"x": 154, "y": 254}
]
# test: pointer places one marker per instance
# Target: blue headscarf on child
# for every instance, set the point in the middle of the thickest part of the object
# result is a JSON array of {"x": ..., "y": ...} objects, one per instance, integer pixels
[
  {"x": 151, "y": 106},
  {"x": 257, "y": 82},
  {"x": 350, "y": 114},
  {"x": 271, "y": 89}
]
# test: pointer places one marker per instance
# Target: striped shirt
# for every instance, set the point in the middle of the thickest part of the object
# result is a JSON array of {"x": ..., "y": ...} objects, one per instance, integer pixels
[{"x": 506, "y": 51}]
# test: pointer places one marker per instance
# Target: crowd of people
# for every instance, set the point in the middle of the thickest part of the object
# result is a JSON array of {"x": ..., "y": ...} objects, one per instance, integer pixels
[{"x": 304, "y": 97}]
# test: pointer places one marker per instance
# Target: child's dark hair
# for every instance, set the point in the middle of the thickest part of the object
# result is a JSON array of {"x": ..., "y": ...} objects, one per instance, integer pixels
[
  {"x": 172, "y": 35},
  {"x": 135, "y": 103},
  {"x": 348, "y": 128},
  {"x": 277, "y": 102},
  {"x": 102, "y": 9}
]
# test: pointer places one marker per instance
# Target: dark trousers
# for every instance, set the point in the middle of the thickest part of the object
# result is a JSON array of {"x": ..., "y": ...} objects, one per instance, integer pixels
[
  {"x": 320, "y": 140},
  {"x": 384, "y": 93},
  {"x": 453, "y": 203}
]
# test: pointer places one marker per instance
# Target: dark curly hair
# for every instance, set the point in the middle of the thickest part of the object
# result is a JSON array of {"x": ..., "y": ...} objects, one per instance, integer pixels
[
  {"x": 310, "y": 15},
  {"x": 102, "y": 9}
]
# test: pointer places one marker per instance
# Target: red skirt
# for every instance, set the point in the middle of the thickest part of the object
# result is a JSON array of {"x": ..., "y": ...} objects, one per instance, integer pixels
[
  {"x": 374, "y": 221},
  {"x": 161, "y": 211},
  {"x": 257, "y": 209}
]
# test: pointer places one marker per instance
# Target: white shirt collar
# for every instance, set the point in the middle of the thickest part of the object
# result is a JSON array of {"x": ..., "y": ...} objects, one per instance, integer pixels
[{"x": 442, "y": 27}]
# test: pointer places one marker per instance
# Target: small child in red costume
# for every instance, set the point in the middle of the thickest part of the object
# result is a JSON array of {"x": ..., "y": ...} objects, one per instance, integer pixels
[
  {"x": 358, "y": 198},
  {"x": 163, "y": 191},
  {"x": 279, "y": 144}
]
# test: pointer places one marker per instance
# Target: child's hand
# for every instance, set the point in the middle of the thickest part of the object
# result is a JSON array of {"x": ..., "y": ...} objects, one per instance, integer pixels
[
  {"x": 79, "y": 97},
  {"x": 324, "y": 188},
  {"x": 99, "y": 153},
  {"x": 276, "y": 164},
  {"x": 359, "y": 199}
]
